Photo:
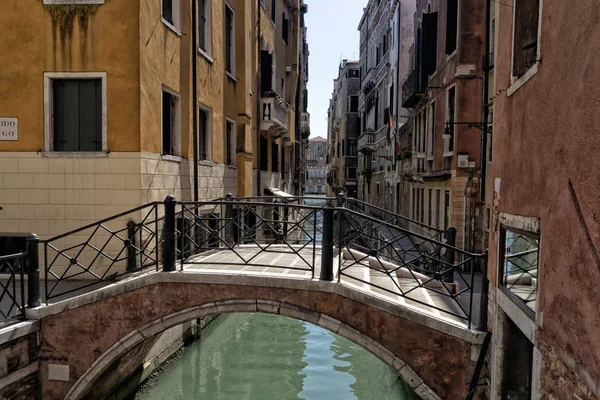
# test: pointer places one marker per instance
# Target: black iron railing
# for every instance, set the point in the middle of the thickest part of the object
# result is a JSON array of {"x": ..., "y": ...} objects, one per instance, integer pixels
[
  {"x": 373, "y": 248},
  {"x": 249, "y": 229},
  {"x": 103, "y": 251},
  {"x": 421, "y": 270},
  {"x": 12, "y": 287}
]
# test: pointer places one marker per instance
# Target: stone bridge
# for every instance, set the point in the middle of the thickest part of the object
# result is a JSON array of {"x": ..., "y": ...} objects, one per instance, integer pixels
[
  {"x": 113, "y": 287},
  {"x": 83, "y": 337}
]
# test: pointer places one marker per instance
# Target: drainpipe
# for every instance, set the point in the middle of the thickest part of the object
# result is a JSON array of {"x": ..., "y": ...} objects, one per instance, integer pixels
[
  {"x": 486, "y": 96},
  {"x": 258, "y": 111},
  {"x": 195, "y": 95}
]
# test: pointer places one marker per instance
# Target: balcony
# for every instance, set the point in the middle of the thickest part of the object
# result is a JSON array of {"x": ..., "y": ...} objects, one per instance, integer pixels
[
  {"x": 305, "y": 125},
  {"x": 366, "y": 142},
  {"x": 413, "y": 89},
  {"x": 275, "y": 114}
]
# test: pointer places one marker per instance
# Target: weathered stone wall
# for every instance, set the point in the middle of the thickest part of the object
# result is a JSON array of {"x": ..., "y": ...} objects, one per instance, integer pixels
[{"x": 19, "y": 362}]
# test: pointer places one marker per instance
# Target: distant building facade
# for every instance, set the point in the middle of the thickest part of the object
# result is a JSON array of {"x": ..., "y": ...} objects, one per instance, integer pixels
[
  {"x": 343, "y": 129},
  {"x": 316, "y": 166},
  {"x": 386, "y": 35}
]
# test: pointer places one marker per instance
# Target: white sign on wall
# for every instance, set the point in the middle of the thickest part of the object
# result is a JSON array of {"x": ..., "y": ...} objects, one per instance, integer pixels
[{"x": 9, "y": 129}]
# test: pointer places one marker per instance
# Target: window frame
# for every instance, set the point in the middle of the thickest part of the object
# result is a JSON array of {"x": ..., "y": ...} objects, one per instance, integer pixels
[
  {"x": 49, "y": 111},
  {"x": 230, "y": 142},
  {"x": 448, "y": 151},
  {"x": 518, "y": 82},
  {"x": 209, "y": 130},
  {"x": 176, "y": 133},
  {"x": 231, "y": 71},
  {"x": 175, "y": 26},
  {"x": 207, "y": 51}
]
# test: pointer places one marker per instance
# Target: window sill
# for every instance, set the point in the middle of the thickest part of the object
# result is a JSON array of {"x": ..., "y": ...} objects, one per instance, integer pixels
[
  {"x": 429, "y": 158},
  {"x": 165, "y": 157},
  {"x": 449, "y": 56},
  {"x": 263, "y": 6},
  {"x": 206, "y": 55},
  {"x": 171, "y": 26},
  {"x": 449, "y": 154},
  {"x": 231, "y": 76},
  {"x": 231, "y": 166},
  {"x": 75, "y": 154},
  {"x": 206, "y": 163},
  {"x": 531, "y": 72}
]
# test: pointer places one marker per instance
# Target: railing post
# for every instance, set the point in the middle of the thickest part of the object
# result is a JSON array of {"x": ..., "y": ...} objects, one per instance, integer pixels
[
  {"x": 341, "y": 199},
  {"x": 229, "y": 216},
  {"x": 169, "y": 252},
  {"x": 131, "y": 259},
  {"x": 483, "y": 301},
  {"x": 33, "y": 272},
  {"x": 327, "y": 244},
  {"x": 449, "y": 256}
]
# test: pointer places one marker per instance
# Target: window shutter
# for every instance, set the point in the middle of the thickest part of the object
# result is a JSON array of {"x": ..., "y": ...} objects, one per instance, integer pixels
[
  {"x": 90, "y": 115},
  {"x": 167, "y": 10},
  {"x": 66, "y": 115},
  {"x": 526, "y": 33},
  {"x": 430, "y": 43},
  {"x": 166, "y": 124},
  {"x": 202, "y": 24},
  {"x": 451, "y": 26}
]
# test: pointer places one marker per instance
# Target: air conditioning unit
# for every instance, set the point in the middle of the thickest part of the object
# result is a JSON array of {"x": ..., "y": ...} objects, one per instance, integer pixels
[{"x": 463, "y": 161}]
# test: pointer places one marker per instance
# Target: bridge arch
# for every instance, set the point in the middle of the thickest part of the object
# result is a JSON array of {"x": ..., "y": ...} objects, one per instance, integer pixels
[
  {"x": 114, "y": 353},
  {"x": 88, "y": 333}
]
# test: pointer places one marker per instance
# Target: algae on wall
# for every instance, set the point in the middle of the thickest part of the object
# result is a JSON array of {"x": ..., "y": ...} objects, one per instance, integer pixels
[{"x": 63, "y": 20}]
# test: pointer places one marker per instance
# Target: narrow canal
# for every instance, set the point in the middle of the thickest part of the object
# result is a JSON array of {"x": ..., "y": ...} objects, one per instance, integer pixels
[{"x": 270, "y": 357}]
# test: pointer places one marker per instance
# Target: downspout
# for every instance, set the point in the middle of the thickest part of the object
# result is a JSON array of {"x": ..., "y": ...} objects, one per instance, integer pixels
[
  {"x": 486, "y": 96},
  {"x": 258, "y": 111},
  {"x": 195, "y": 95},
  {"x": 399, "y": 43}
]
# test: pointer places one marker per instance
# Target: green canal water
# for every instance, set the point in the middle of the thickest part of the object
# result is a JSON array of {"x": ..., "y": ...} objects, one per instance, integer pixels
[{"x": 270, "y": 357}]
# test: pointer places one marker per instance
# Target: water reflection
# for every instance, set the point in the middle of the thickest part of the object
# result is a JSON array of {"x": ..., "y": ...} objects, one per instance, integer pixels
[{"x": 264, "y": 357}]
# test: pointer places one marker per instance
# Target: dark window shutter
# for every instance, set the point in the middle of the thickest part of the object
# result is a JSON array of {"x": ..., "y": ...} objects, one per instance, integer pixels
[
  {"x": 264, "y": 154},
  {"x": 526, "y": 33},
  {"x": 66, "y": 115},
  {"x": 284, "y": 29},
  {"x": 353, "y": 103},
  {"x": 451, "y": 26},
  {"x": 273, "y": 10},
  {"x": 167, "y": 10},
  {"x": 266, "y": 68},
  {"x": 202, "y": 126},
  {"x": 202, "y": 24},
  {"x": 90, "y": 115},
  {"x": 166, "y": 124},
  {"x": 274, "y": 157},
  {"x": 429, "y": 43}
]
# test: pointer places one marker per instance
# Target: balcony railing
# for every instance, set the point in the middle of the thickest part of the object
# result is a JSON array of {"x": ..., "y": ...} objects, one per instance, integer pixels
[
  {"x": 274, "y": 113},
  {"x": 412, "y": 89},
  {"x": 366, "y": 142}
]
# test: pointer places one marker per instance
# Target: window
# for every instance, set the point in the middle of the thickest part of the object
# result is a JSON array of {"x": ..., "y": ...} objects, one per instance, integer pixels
[
  {"x": 451, "y": 26},
  {"x": 352, "y": 173},
  {"x": 431, "y": 130},
  {"x": 525, "y": 39},
  {"x": 229, "y": 40},
  {"x": 438, "y": 210},
  {"x": 422, "y": 206},
  {"x": 170, "y": 123},
  {"x": 352, "y": 148},
  {"x": 353, "y": 104},
  {"x": 451, "y": 115},
  {"x": 205, "y": 25},
  {"x": 284, "y": 28},
  {"x": 274, "y": 157},
  {"x": 283, "y": 88},
  {"x": 273, "y": 10},
  {"x": 519, "y": 264},
  {"x": 446, "y": 209},
  {"x": 77, "y": 115},
  {"x": 230, "y": 138},
  {"x": 430, "y": 207},
  {"x": 205, "y": 133},
  {"x": 170, "y": 12},
  {"x": 352, "y": 73},
  {"x": 517, "y": 362},
  {"x": 266, "y": 74},
  {"x": 264, "y": 154}
]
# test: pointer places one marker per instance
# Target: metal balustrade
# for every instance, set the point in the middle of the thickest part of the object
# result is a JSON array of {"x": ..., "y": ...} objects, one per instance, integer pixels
[{"x": 338, "y": 239}]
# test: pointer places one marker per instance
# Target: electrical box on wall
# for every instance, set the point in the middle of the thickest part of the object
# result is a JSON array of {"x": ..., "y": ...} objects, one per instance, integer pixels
[{"x": 463, "y": 161}]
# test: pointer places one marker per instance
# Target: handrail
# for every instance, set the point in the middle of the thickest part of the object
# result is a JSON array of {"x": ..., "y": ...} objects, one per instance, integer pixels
[
  {"x": 417, "y": 235},
  {"x": 402, "y": 217}
]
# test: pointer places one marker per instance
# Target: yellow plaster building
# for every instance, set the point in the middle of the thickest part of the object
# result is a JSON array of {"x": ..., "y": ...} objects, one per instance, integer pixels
[{"x": 98, "y": 112}]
